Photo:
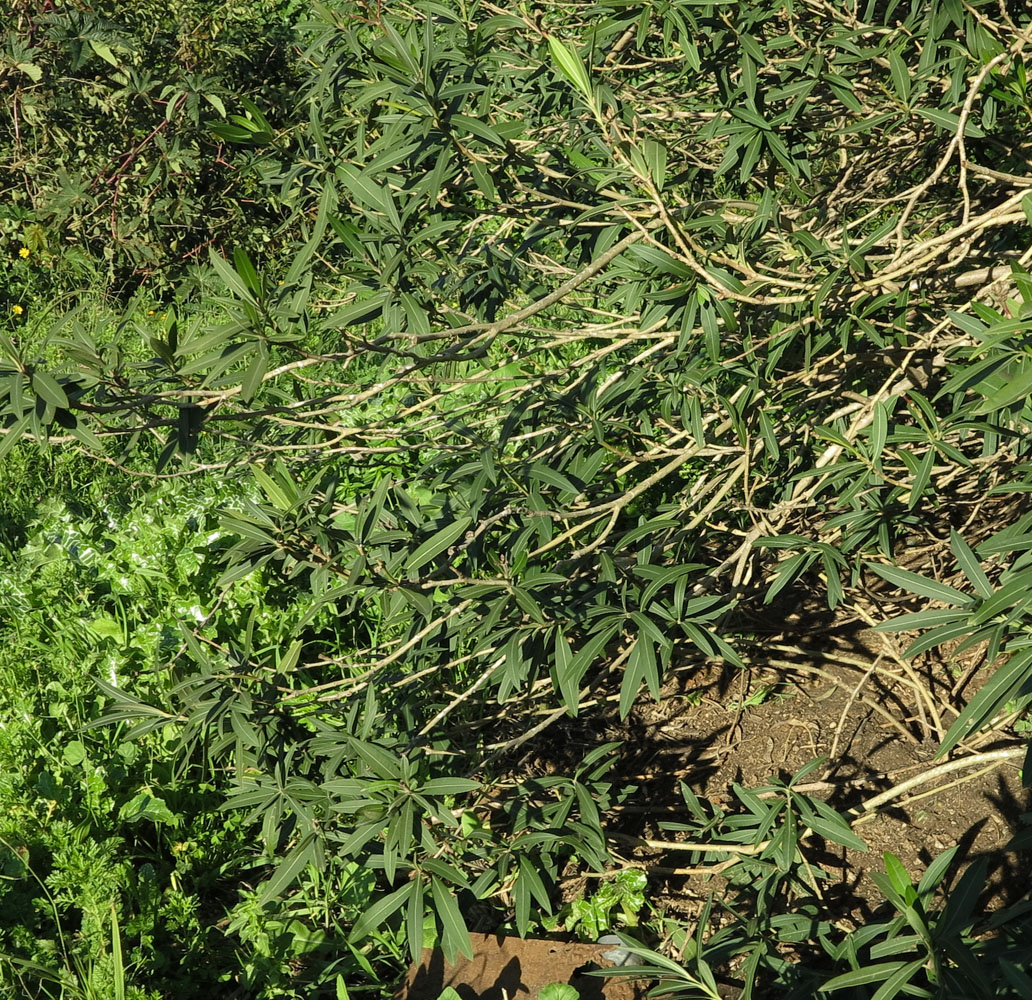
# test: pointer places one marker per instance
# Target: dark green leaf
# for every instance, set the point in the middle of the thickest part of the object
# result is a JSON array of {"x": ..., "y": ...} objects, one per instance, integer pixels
[
  {"x": 917, "y": 584},
  {"x": 436, "y": 544},
  {"x": 455, "y": 938},
  {"x": 289, "y": 869},
  {"x": 375, "y": 915},
  {"x": 47, "y": 387},
  {"x": 1004, "y": 685}
]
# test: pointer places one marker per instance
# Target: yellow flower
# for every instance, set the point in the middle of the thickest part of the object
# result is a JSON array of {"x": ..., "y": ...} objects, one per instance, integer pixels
[
  {"x": 24, "y": 252},
  {"x": 17, "y": 310}
]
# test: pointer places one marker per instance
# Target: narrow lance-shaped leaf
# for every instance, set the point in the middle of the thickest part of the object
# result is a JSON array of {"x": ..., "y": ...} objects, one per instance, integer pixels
[
  {"x": 570, "y": 65},
  {"x": 49, "y": 389},
  {"x": 1010, "y": 680},
  {"x": 969, "y": 565},
  {"x": 455, "y": 937},
  {"x": 255, "y": 373},
  {"x": 900, "y": 76},
  {"x": 1017, "y": 388},
  {"x": 289, "y": 869},
  {"x": 436, "y": 544},
  {"x": 373, "y": 916},
  {"x": 641, "y": 666},
  {"x": 414, "y": 918},
  {"x": 567, "y": 682},
  {"x": 247, "y": 272},
  {"x": 234, "y": 282},
  {"x": 12, "y": 435},
  {"x": 917, "y": 584}
]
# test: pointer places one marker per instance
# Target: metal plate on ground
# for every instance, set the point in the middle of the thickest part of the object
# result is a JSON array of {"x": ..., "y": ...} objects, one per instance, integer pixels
[{"x": 512, "y": 968}]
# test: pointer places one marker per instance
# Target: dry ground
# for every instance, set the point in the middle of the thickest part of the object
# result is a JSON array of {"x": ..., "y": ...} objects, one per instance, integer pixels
[{"x": 818, "y": 685}]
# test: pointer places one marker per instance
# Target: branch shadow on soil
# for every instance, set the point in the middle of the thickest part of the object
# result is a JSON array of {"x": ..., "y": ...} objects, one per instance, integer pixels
[{"x": 810, "y": 690}]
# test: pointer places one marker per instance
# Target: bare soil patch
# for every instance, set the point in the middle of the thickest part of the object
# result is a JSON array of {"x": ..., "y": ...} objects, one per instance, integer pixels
[{"x": 831, "y": 688}]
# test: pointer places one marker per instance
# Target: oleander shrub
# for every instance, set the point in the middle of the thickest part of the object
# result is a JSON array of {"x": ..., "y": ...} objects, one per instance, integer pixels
[{"x": 582, "y": 330}]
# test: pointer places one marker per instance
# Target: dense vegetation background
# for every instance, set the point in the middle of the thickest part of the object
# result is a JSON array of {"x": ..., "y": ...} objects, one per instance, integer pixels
[{"x": 381, "y": 383}]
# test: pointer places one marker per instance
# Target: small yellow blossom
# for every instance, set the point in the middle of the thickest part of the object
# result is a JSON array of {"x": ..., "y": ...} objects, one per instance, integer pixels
[
  {"x": 17, "y": 310},
  {"x": 24, "y": 252},
  {"x": 150, "y": 312}
]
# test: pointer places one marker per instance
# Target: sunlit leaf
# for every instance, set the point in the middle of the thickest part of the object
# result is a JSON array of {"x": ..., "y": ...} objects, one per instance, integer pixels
[{"x": 570, "y": 65}]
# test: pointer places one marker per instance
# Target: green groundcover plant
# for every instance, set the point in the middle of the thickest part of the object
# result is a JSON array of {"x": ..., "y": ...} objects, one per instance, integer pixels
[{"x": 381, "y": 383}]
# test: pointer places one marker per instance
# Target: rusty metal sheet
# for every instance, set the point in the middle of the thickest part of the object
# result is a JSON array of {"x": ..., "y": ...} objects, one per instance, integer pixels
[{"x": 512, "y": 968}]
